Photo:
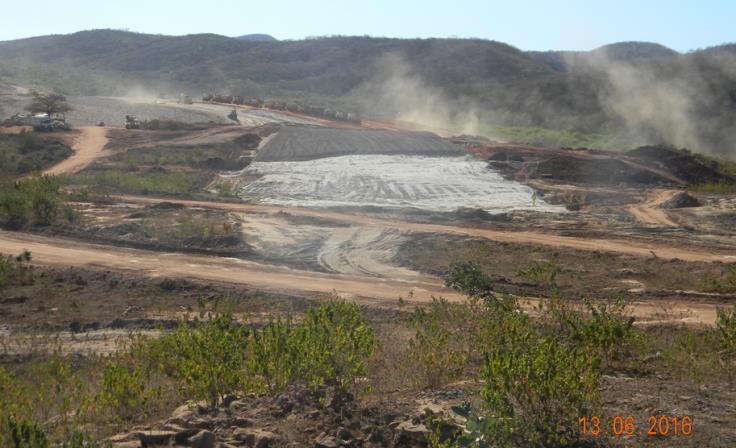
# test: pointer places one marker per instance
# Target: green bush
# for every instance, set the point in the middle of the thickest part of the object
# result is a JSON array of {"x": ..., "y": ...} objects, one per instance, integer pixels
[
  {"x": 725, "y": 284},
  {"x": 603, "y": 329},
  {"x": 541, "y": 272},
  {"x": 208, "y": 359},
  {"x": 16, "y": 270},
  {"x": 126, "y": 391},
  {"x": 336, "y": 343},
  {"x": 26, "y": 434},
  {"x": 534, "y": 392},
  {"x": 34, "y": 199},
  {"x": 726, "y": 328},
  {"x": 468, "y": 278},
  {"x": 440, "y": 345}
]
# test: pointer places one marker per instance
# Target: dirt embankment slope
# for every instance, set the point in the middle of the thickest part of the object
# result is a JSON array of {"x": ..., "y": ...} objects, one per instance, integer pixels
[
  {"x": 88, "y": 146},
  {"x": 650, "y": 212}
]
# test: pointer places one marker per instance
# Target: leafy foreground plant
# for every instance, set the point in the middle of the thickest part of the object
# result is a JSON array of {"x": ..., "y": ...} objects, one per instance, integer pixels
[
  {"x": 538, "y": 375},
  {"x": 218, "y": 356},
  {"x": 726, "y": 329},
  {"x": 52, "y": 397},
  {"x": 32, "y": 200}
]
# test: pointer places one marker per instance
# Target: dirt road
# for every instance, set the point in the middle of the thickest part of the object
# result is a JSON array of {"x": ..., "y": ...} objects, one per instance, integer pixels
[
  {"x": 525, "y": 237},
  {"x": 88, "y": 146},
  {"x": 62, "y": 252},
  {"x": 648, "y": 212}
]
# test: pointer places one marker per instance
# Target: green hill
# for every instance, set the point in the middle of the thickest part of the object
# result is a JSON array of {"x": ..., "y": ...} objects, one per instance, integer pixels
[{"x": 635, "y": 90}]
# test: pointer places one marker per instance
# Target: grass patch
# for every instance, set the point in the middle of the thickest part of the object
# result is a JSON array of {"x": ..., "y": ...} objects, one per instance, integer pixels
[
  {"x": 27, "y": 152},
  {"x": 715, "y": 187},
  {"x": 536, "y": 136},
  {"x": 118, "y": 181}
]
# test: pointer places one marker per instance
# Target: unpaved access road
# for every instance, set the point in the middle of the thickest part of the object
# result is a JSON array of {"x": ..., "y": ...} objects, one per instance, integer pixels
[
  {"x": 629, "y": 247},
  {"x": 63, "y": 252},
  {"x": 88, "y": 146},
  {"x": 649, "y": 212},
  {"x": 379, "y": 291}
]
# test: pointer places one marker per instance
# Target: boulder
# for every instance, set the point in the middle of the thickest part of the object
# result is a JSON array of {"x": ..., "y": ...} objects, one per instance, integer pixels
[
  {"x": 203, "y": 439},
  {"x": 325, "y": 441},
  {"x": 410, "y": 434},
  {"x": 156, "y": 438},
  {"x": 256, "y": 438}
]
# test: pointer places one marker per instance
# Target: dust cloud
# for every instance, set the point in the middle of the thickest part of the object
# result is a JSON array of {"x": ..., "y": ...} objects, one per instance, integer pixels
[
  {"x": 395, "y": 90},
  {"x": 678, "y": 101}
]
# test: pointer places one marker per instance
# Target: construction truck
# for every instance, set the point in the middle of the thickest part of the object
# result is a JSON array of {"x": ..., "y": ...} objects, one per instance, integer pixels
[
  {"x": 131, "y": 122},
  {"x": 47, "y": 123},
  {"x": 17, "y": 120}
]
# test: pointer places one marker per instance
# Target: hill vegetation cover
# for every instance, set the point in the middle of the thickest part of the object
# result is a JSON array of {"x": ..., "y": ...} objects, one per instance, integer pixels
[{"x": 642, "y": 92}]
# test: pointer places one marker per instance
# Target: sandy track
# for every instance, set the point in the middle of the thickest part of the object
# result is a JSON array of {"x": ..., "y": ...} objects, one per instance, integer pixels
[
  {"x": 88, "y": 146},
  {"x": 648, "y": 212},
  {"x": 63, "y": 252},
  {"x": 629, "y": 247},
  {"x": 371, "y": 289}
]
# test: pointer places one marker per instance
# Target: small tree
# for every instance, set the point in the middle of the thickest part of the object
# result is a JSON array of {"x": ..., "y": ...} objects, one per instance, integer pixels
[{"x": 51, "y": 103}]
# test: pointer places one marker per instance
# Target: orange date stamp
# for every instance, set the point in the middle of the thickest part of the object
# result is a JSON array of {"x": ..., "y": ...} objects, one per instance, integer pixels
[{"x": 627, "y": 426}]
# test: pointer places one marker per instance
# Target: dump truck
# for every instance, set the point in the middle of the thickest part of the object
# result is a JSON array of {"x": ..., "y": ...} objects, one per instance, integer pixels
[
  {"x": 47, "y": 123},
  {"x": 131, "y": 122}
]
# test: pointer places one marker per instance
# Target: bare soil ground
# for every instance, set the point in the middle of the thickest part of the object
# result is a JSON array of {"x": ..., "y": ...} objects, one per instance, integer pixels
[
  {"x": 90, "y": 290},
  {"x": 89, "y": 145}
]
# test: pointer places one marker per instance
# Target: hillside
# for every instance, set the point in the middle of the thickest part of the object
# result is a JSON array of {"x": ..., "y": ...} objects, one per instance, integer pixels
[{"x": 689, "y": 97}]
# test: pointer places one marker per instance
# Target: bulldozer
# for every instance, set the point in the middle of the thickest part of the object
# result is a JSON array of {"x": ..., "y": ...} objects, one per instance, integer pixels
[
  {"x": 233, "y": 115},
  {"x": 131, "y": 122}
]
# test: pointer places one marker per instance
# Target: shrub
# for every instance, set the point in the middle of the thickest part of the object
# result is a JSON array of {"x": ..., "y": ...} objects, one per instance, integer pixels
[
  {"x": 16, "y": 270},
  {"x": 126, "y": 391},
  {"x": 335, "y": 343},
  {"x": 535, "y": 392},
  {"x": 468, "y": 278},
  {"x": 26, "y": 434},
  {"x": 34, "y": 199},
  {"x": 541, "y": 272},
  {"x": 331, "y": 346},
  {"x": 440, "y": 343},
  {"x": 208, "y": 359},
  {"x": 726, "y": 328},
  {"x": 725, "y": 284},
  {"x": 603, "y": 329}
]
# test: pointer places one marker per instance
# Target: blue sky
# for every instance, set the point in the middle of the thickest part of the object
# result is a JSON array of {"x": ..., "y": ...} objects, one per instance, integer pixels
[{"x": 527, "y": 24}]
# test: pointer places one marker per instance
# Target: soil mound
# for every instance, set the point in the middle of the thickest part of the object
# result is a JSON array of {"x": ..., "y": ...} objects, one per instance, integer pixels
[
  {"x": 681, "y": 200},
  {"x": 595, "y": 171},
  {"x": 681, "y": 163},
  {"x": 298, "y": 143}
]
